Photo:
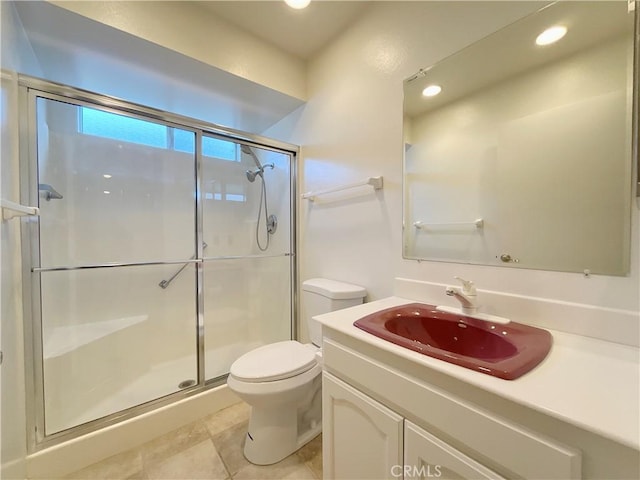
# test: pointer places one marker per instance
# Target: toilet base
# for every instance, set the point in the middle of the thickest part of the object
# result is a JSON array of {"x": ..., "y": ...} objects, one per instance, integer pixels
[{"x": 273, "y": 434}]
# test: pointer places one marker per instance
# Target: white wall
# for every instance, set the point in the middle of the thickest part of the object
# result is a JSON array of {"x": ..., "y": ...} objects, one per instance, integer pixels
[{"x": 351, "y": 128}]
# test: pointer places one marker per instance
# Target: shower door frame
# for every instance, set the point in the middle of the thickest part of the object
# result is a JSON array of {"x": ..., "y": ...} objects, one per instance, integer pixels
[{"x": 31, "y": 88}]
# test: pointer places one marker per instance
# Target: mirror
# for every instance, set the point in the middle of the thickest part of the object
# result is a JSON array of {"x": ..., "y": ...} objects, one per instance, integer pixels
[{"x": 524, "y": 157}]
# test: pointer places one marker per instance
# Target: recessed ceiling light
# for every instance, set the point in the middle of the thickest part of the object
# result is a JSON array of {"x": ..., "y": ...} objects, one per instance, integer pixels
[
  {"x": 106, "y": 175},
  {"x": 106, "y": 192},
  {"x": 297, "y": 4},
  {"x": 432, "y": 90},
  {"x": 551, "y": 35}
]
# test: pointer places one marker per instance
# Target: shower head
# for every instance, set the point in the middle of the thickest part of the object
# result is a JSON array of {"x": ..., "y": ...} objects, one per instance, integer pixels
[{"x": 252, "y": 174}]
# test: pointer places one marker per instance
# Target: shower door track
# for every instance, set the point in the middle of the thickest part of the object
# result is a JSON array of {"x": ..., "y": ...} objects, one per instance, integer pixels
[{"x": 32, "y": 88}]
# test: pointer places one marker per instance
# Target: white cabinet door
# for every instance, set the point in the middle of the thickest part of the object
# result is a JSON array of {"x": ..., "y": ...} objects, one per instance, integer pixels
[
  {"x": 426, "y": 456},
  {"x": 362, "y": 439}
]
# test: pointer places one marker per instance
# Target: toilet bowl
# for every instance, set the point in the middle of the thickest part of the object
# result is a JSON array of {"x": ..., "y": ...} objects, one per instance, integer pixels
[{"x": 282, "y": 381}]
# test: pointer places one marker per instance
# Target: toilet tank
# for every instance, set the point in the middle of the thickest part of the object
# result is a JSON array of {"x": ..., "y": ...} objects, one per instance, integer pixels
[{"x": 321, "y": 295}]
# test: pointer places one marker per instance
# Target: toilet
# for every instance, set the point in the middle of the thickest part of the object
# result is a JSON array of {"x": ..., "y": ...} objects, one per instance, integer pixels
[{"x": 282, "y": 381}]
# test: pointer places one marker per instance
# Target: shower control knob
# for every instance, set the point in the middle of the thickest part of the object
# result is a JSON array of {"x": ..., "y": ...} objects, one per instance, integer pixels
[{"x": 272, "y": 224}]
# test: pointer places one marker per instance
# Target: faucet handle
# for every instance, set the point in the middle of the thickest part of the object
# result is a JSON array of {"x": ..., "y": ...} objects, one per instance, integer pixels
[{"x": 468, "y": 288}]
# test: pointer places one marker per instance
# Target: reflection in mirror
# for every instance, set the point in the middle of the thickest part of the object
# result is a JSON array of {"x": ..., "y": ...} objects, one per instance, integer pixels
[{"x": 523, "y": 158}]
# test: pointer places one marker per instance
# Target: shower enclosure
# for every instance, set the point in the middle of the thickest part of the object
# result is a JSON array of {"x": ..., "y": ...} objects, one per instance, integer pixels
[{"x": 155, "y": 261}]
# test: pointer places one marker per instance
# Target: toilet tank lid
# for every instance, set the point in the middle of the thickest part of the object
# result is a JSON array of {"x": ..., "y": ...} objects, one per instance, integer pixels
[{"x": 334, "y": 289}]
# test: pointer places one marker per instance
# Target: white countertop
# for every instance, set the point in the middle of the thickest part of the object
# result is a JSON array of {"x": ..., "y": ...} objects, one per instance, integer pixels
[{"x": 586, "y": 382}]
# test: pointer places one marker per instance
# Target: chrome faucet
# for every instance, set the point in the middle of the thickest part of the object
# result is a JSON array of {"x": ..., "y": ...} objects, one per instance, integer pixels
[{"x": 466, "y": 295}]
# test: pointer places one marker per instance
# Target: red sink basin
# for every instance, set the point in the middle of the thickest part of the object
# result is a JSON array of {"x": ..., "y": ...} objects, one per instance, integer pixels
[{"x": 505, "y": 351}]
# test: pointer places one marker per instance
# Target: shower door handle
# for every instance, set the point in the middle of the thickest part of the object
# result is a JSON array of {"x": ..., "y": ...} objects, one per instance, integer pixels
[{"x": 165, "y": 283}]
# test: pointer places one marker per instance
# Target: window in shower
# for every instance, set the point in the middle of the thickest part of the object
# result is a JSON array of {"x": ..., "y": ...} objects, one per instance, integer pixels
[{"x": 119, "y": 127}]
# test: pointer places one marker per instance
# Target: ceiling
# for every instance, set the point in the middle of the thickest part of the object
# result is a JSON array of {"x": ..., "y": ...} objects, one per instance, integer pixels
[{"x": 301, "y": 33}]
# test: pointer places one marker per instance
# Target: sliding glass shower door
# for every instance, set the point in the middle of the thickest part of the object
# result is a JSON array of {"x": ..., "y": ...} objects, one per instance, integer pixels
[
  {"x": 247, "y": 263},
  {"x": 117, "y": 217},
  {"x": 163, "y": 251}
]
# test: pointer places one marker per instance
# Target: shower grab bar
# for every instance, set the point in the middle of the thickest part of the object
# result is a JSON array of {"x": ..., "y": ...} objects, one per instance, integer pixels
[
  {"x": 478, "y": 223},
  {"x": 11, "y": 210},
  {"x": 165, "y": 283},
  {"x": 375, "y": 182}
]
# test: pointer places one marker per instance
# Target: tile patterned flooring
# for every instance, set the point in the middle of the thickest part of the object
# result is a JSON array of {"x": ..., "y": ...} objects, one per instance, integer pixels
[{"x": 210, "y": 448}]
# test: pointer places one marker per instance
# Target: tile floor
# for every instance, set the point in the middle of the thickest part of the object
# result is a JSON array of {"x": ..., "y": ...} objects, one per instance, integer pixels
[{"x": 210, "y": 448}]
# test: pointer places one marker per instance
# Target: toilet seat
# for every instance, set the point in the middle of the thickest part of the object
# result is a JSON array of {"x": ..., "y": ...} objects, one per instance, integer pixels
[{"x": 276, "y": 361}]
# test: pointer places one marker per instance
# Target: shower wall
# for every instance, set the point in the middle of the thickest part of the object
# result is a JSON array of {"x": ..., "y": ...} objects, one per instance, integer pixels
[{"x": 112, "y": 338}]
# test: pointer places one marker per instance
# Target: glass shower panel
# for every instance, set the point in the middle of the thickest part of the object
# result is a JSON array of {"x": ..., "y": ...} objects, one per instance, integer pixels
[
  {"x": 113, "y": 339},
  {"x": 112, "y": 188},
  {"x": 247, "y": 270},
  {"x": 247, "y": 304}
]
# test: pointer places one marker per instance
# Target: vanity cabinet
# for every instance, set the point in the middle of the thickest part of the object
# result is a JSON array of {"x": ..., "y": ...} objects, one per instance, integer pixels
[
  {"x": 363, "y": 439},
  {"x": 426, "y": 456},
  {"x": 379, "y": 422}
]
